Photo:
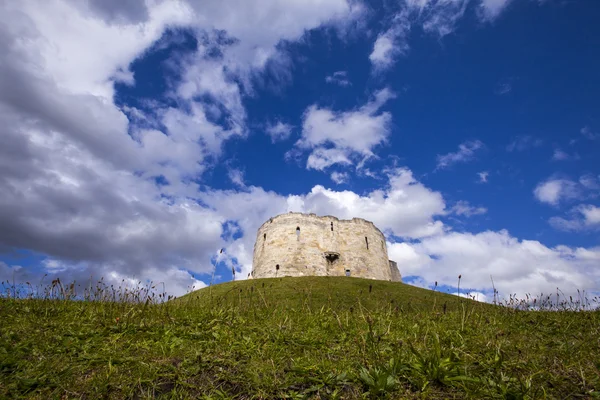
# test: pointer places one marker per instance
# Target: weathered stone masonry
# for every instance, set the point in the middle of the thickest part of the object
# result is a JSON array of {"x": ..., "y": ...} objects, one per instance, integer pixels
[{"x": 297, "y": 244}]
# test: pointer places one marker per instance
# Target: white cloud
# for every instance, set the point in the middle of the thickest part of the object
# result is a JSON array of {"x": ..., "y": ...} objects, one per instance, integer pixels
[
  {"x": 279, "y": 131},
  {"x": 339, "y": 78},
  {"x": 340, "y": 137},
  {"x": 384, "y": 51},
  {"x": 491, "y": 9},
  {"x": 436, "y": 17},
  {"x": 503, "y": 88},
  {"x": 236, "y": 177},
  {"x": 367, "y": 172},
  {"x": 583, "y": 217},
  {"x": 591, "y": 214},
  {"x": 321, "y": 158},
  {"x": 256, "y": 28},
  {"x": 191, "y": 141},
  {"x": 440, "y": 17},
  {"x": 557, "y": 190},
  {"x": 553, "y": 191},
  {"x": 463, "y": 208},
  {"x": 209, "y": 78},
  {"x": 391, "y": 43},
  {"x": 78, "y": 49},
  {"x": 466, "y": 152},
  {"x": 589, "y": 134},
  {"x": 483, "y": 176},
  {"x": 590, "y": 182},
  {"x": 559, "y": 155},
  {"x": 517, "y": 266},
  {"x": 475, "y": 295},
  {"x": 339, "y": 177},
  {"x": 278, "y": 20},
  {"x": 522, "y": 143},
  {"x": 406, "y": 207},
  {"x": 567, "y": 224}
]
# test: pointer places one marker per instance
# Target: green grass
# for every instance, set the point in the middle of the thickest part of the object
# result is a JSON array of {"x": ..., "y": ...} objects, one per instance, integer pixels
[{"x": 296, "y": 338}]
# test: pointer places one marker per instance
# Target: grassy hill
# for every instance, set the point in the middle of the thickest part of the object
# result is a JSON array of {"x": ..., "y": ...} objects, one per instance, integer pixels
[{"x": 296, "y": 338}]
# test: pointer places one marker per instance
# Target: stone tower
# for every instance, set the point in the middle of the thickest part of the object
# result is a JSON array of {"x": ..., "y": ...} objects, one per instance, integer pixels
[{"x": 297, "y": 244}]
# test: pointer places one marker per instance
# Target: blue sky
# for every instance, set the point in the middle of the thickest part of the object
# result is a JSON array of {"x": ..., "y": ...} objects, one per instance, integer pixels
[{"x": 142, "y": 137}]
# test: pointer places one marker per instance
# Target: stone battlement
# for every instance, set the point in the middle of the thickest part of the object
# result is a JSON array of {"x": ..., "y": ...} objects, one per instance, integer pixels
[
  {"x": 297, "y": 244},
  {"x": 292, "y": 215}
]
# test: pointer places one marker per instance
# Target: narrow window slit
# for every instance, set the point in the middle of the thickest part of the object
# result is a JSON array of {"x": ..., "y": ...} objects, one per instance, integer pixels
[
  {"x": 297, "y": 233},
  {"x": 265, "y": 236},
  {"x": 367, "y": 242},
  {"x": 332, "y": 227}
]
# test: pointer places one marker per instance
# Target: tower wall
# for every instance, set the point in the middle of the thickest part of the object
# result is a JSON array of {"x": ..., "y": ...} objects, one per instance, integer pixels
[
  {"x": 396, "y": 277},
  {"x": 308, "y": 245}
]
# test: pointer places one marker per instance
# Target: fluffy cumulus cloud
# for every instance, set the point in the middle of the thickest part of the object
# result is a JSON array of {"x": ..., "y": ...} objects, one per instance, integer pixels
[
  {"x": 279, "y": 131},
  {"x": 518, "y": 267},
  {"x": 321, "y": 158},
  {"x": 246, "y": 35},
  {"x": 343, "y": 137},
  {"x": 339, "y": 177},
  {"x": 81, "y": 182},
  {"x": 557, "y": 190},
  {"x": 78, "y": 46},
  {"x": 405, "y": 208},
  {"x": 553, "y": 191},
  {"x": 590, "y": 183},
  {"x": 581, "y": 218},
  {"x": 591, "y": 214},
  {"x": 466, "y": 152}
]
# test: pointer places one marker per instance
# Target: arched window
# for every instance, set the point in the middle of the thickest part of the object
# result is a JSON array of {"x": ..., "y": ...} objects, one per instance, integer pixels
[
  {"x": 265, "y": 236},
  {"x": 297, "y": 233}
]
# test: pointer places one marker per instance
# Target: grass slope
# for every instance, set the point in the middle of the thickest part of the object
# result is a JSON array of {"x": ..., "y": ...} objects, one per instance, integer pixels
[{"x": 296, "y": 338}]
